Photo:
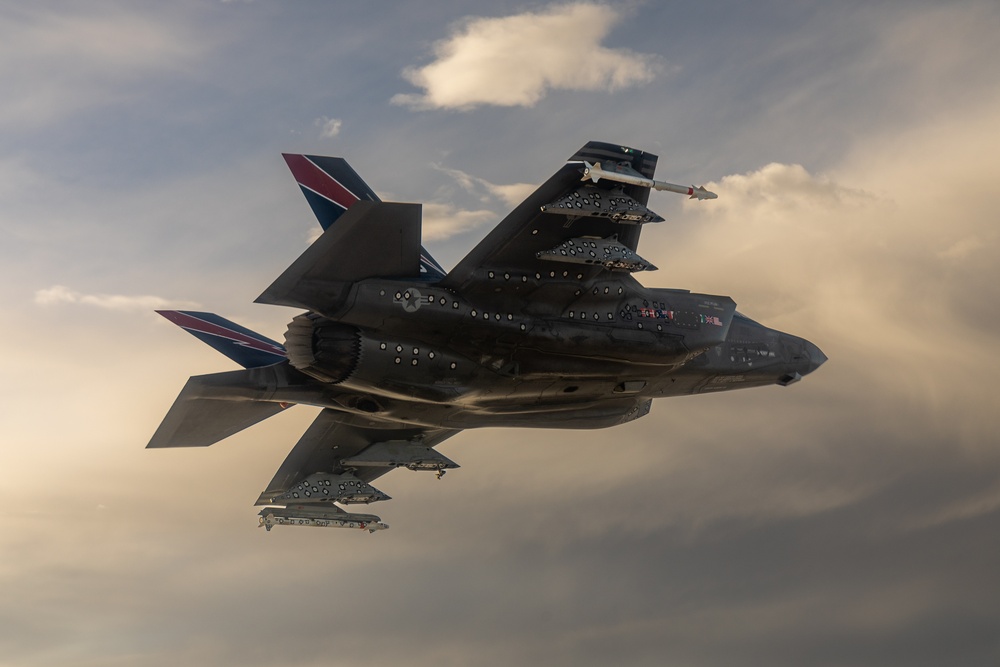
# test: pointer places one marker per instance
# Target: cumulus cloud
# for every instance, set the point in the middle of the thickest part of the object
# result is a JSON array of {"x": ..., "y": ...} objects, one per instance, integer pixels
[
  {"x": 60, "y": 294},
  {"x": 514, "y": 60},
  {"x": 328, "y": 127},
  {"x": 784, "y": 187},
  {"x": 881, "y": 271}
]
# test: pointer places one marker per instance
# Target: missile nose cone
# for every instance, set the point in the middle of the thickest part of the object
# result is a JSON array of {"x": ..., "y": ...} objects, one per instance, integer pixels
[{"x": 816, "y": 357}]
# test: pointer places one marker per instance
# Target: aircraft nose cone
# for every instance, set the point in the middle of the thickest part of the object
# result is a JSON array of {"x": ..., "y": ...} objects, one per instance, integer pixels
[{"x": 816, "y": 357}]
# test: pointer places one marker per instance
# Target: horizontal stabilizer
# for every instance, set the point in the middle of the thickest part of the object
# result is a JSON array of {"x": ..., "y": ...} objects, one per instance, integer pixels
[
  {"x": 211, "y": 408},
  {"x": 371, "y": 240},
  {"x": 247, "y": 348}
]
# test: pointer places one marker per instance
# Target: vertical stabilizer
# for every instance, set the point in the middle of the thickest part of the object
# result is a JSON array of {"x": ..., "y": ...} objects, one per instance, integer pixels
[
  {"x": 329, "y": 184},
  {"x": 332, "y": 187},
  {"x": 372, "y": 240}
]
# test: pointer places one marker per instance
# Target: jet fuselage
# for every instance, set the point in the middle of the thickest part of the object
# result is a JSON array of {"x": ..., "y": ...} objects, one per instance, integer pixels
[{"x": 415, "y": 352}]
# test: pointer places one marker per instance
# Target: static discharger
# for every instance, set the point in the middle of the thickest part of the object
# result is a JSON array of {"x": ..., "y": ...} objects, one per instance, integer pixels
[{"x": 595, "y": 173}]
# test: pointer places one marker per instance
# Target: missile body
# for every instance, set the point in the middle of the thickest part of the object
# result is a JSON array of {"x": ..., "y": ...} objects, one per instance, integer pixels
[
  {"x": 595, "y": 173},
  {"x": 320, "y": 516}
]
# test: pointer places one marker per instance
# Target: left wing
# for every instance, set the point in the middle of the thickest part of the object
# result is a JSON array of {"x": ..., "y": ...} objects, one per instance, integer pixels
[
  {"x": 334, "y": 462},
  {"x": 566, "y": 208}
]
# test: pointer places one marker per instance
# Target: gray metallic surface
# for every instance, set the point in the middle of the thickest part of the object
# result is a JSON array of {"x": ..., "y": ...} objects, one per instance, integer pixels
[{"x": 519, "y": 334}]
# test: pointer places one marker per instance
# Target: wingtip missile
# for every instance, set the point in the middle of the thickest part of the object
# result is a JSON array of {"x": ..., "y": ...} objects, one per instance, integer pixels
[{"x": 594, "y": 172}]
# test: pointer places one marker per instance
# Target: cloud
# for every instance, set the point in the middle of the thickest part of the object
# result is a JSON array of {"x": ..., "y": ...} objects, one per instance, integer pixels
[
  {"x": 848, "y": 519},
  {"x": 512, "y": 194},
  {"x": 442, "y": 221},
  {"x": 79, "y": 60},
  {"x": 59, "y": 294},
  {"x": 783, "y": 187},
  {"x": 962, "y": 248},
  {"x": 329, "y": 127},
  {"x": 882, "y": 267},
  {"x": 514, "y": 60}
]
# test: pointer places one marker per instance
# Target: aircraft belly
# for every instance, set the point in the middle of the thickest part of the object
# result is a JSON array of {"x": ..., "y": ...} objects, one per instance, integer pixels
[{"x": 591, "y": 414}]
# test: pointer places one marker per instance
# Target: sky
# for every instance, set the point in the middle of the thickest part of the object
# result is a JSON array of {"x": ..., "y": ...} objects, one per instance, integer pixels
[{"x": 850, "y": 519}]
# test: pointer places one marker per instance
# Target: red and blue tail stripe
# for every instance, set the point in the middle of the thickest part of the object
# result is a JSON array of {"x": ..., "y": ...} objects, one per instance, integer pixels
[
  {"x": 247, "y": 348},
  {"x": 429, "y": 268},
  {"x": 329, "y": 184},
  {"x": 331, "y": 187}
]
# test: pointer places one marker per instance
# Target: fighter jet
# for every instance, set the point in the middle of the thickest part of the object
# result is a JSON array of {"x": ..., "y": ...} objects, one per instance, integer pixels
[{"x": 541, "y": 325}]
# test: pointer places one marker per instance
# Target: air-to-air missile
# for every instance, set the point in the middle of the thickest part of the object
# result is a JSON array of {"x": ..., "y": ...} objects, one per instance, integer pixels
[{"x": 595, "y": 173}]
